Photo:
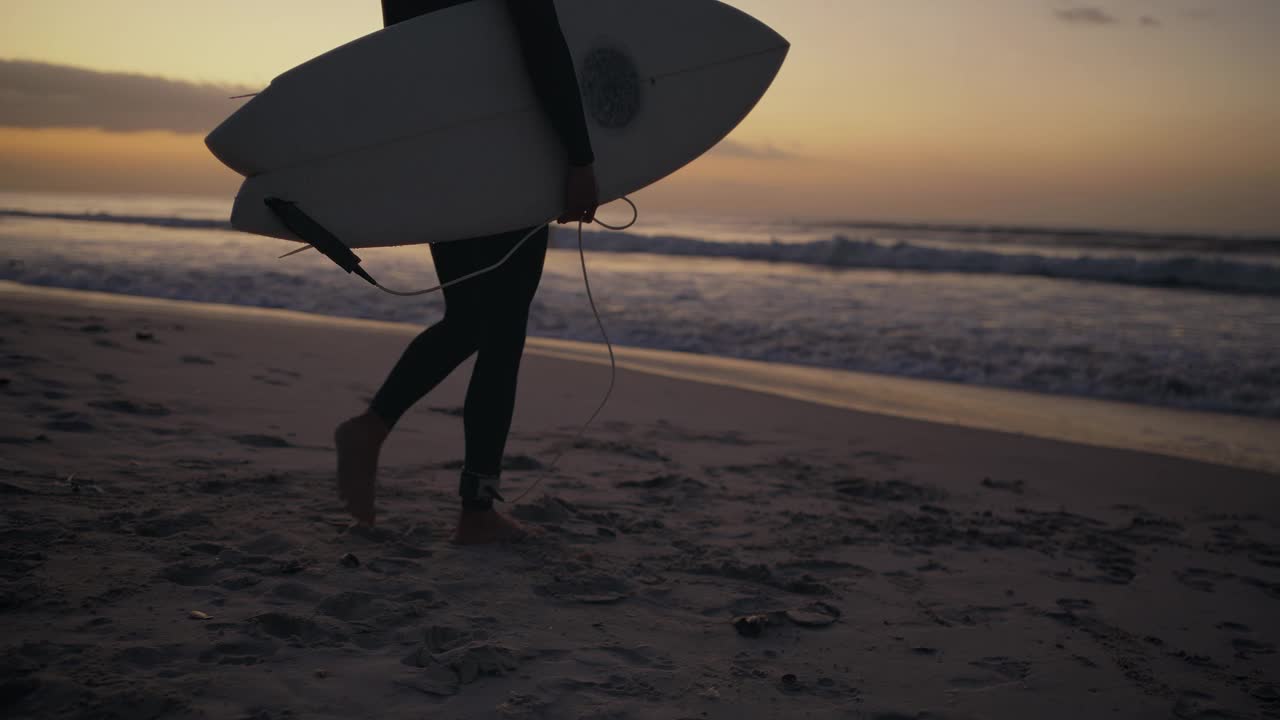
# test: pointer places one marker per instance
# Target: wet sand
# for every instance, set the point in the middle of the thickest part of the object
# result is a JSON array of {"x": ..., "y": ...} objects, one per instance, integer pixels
[{"x": 173, "y": 546}]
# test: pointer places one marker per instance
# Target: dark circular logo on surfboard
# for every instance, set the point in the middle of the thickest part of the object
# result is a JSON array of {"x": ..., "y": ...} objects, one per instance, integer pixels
[{"x": 610, "y": 87}]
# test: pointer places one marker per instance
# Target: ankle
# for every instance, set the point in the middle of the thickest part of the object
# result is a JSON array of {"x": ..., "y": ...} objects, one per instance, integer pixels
[
  {"x": 478, "y": 490},
  {"x": 376, "y": 421}
]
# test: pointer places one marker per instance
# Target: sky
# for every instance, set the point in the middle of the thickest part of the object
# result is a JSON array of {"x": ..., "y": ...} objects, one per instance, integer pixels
[{"x": 1139, "y": 114}]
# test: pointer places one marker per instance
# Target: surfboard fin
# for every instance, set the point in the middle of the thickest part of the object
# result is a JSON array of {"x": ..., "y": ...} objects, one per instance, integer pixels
[
  {"x": 312, "y": 232},
  {"x": 291, "y": 253}
]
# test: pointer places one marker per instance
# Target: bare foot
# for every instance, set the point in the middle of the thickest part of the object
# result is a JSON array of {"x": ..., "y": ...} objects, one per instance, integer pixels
[
  {"x": 476, "y": 528},
  {"x": 358, "y": 441}
]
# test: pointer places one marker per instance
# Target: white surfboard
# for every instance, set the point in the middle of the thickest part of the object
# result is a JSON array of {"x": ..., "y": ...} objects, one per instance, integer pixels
[{"x": 429, "y": 130}]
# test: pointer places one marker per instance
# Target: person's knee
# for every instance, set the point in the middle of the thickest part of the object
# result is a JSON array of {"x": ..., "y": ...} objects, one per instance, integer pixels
[{"x": 467, "y": 323}]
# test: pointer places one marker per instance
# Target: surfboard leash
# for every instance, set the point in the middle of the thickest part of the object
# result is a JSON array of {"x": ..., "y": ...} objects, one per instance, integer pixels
[
  {"x": 613, "y": 364},
  {"x": 321, "y": 239}
]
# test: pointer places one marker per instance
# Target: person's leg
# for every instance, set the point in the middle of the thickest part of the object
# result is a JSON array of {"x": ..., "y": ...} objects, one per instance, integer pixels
[
  {"x": 491, "y": 394},
  {"x": 441, "y": 348},
  {"x": 490, "y": 402},
  {"x": 427, "y": 361}
]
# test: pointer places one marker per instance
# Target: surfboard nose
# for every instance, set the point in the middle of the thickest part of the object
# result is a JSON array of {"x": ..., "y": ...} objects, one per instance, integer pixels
[
  {"x": 228, "y": 141},
  {"x": 763, "y": 36}
]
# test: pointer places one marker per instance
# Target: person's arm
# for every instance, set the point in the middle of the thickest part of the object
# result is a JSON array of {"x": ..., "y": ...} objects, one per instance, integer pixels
[{"x": 555, "y": 82}]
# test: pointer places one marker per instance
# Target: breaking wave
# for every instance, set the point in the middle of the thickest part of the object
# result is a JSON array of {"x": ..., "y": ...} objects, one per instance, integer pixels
[{"x": 842, "y": 252}]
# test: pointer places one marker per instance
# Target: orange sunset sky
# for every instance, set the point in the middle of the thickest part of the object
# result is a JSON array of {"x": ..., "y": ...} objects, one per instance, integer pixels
[{"x": 1145, "y": 114}]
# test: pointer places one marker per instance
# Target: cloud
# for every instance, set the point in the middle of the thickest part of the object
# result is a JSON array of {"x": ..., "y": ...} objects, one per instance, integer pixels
[
  {"x": 733, "y": 148},
  {"x": 1085, "y": 15},
  {"x": 41, "y": 95}
]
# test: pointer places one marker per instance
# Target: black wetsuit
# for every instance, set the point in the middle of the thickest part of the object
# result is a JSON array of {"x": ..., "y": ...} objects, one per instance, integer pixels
[{"x": 489, "y": 315}]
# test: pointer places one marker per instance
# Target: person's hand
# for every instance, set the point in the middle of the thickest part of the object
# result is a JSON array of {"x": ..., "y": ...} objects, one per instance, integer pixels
[{"x": 581, "y": 196}]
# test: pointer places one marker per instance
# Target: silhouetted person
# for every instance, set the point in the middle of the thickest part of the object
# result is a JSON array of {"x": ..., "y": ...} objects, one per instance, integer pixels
[{"x": 487, "y": 315}]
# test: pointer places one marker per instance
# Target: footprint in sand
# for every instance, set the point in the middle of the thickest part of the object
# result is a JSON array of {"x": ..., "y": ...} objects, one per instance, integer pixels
[
  {"x": 1197, "y": 705},
  {"x": 1075, "y": 604},
  {"x": 128, "y": 407},
  {"x": 15, "y": 360},
  {"x": 999, "y": 671},
  {"x": 665, "y": 482},
  {"x": 589, "y": 588},
  {"x": 295, "y": 592},
  {"x": 864, "y": 489},
  {"x": 510, "y": 463},
  {"x": 970, "y": 615},
  {"x": 271, "y": 381},
  {"x": 621, "y": 448},
  {"x": 262, "y": 441},
  {"x": 72, "y": 422},
  {"x": 287, "y": 626},
  {"x": 1246, "y": 648},
  {"x": 278, "y": 377},
  {"x": 16, "y": 440},
  {"x": 171, "y": 524},
  {"x": 349, "y": 606},
  {"x": 148, "y": 657},
  {"x": 393, "y": 566},
  {"x": 904, "y": 581},
  {"x": 191, "y": 574},
  {"x": 1014, "y": 486},
  {"x": 239, "y": 652},
  {"x": 1201, "y": 579},
  {"x": 239, "y": 582},
  {"x": 1008, "y": 667}
]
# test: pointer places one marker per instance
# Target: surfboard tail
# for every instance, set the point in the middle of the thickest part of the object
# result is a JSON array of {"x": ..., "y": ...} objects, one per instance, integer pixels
[{"x": 317, "y": 236}]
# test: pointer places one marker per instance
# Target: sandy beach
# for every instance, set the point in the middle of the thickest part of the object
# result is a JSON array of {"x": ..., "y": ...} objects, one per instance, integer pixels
[{"x": 173, "y": 546}]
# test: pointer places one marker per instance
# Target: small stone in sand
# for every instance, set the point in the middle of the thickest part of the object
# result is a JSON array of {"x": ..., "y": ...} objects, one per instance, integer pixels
[
  {"x": 197, "y": 615},
  {"x": 350, "y": 561},
  {"x": 750, "y": 625},
  {"x": 815, "y": 615}
]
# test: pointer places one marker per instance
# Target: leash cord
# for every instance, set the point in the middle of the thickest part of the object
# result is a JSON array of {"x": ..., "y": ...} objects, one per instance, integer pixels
[{"x": 613, "y": 366}]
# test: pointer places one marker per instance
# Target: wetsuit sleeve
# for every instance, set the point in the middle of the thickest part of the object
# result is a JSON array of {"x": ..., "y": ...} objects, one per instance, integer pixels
[{"x": 546, "y": 55}]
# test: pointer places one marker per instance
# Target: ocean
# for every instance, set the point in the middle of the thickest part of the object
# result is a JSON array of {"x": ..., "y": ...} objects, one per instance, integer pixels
[{"x": 1175, "y": 320}]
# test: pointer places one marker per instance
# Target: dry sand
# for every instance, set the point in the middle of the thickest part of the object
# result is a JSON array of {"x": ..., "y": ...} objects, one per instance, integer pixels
[{"x": 172, "y": 546}]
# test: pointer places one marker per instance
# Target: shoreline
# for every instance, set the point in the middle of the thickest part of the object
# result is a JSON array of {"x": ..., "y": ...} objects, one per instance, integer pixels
[{"x": 1219, "y": 438}]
